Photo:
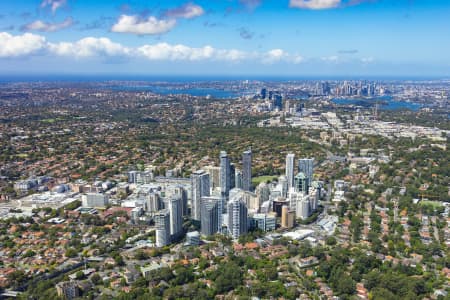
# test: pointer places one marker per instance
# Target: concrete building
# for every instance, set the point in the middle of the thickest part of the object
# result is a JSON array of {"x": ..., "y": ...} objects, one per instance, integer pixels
[
  {"x": 263, "y": 192},
  {"x": 283, "y": 186},
  {"x": 264, "y": 222},
  {"x": 238, "y": 179},
  {"x": 180, "y": 191},
  {"x": 68, "y": 289},
  {"x": 303, "y": 209},
  {"x": 210, "y": 215},
  {"x": 277, "y": 206},
  {"x": 287, "y": 217},
  {"x": 214, "y": 176},
  {"x": 225, "y": 174},
  {"x": 290, "y": 169},
  {"x": 153, "y": 203},
  {"x": 247, "y": 170},
  {"x": 193, "y": 238},
  {"x": 175, "y": 206},
  {"x": 95, "y": 200},
  {"x": 237, "y": 217},
  {"x": 200, "y": 188},
  {"x": 162, "y": 224}
]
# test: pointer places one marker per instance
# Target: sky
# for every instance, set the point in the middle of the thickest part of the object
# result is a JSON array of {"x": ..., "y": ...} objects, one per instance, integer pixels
[{"x": 226, "y": 37}]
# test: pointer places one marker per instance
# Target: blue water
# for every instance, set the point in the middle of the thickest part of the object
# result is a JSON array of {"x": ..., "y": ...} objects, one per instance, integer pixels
[{"x": 386, "y": 103}]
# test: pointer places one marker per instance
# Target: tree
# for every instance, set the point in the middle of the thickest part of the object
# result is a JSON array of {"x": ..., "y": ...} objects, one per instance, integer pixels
[
  {"x": 96, "y": 279},
  {"x": 331, "y": 241},
  {"x": 71, "y": 252}
]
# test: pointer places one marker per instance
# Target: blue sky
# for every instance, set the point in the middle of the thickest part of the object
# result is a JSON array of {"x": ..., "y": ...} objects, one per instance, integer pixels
[{"x": 226, "y": 37}]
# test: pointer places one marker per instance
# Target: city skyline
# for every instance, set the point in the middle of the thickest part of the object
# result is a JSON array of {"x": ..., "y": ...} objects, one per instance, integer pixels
[{"x": 245, "y": 37}]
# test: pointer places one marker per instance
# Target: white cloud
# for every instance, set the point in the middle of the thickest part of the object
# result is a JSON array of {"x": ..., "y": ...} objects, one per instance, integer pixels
[
  {"x": 278, "y": 55},
  {"x": 333, "y": 58},
  {"x": 164, "y": 51},
  {"x": 89, "y": 47},
  {"x": 136, "y": 25},
  {"x": 29, "y": 44},
  {"x": 187, "y": 11},
  {"x": 48, "y": 27},
  {"x": 367, "y": 60},
  {"x": 314, "y": 4},
  {"x": 20, "y": 45},
  {"x": 53, "y": 4}
]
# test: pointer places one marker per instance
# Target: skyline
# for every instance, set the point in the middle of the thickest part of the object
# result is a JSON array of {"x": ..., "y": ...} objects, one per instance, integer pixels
[{"x": 231, "y": 38}]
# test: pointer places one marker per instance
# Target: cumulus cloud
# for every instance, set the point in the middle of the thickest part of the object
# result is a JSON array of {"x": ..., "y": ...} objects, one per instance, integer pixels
[
  {"x": 367, "y": 60},
  {"x": 89, "y": 47},
  {"x": 164, "y": 51},
  {"x": 20, "y": 45},
  {"x": 53, "y": 4},
  {"x": 326, "y": 4},
  {"x": 314, "y": 4},
  {"x": 30, "y": 44},
  {"x": 279, "y": 55},
  {"x": 137, "y": 25},
  {"x": 47, "y": 27},
  {"x": 187, "y": 11},
  {"x": 332, "y": 58}
]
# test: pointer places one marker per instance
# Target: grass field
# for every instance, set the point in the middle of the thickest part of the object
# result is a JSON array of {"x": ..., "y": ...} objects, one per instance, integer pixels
[
  {"x": 258, "y": 180},
  {"x": 433, "y": 203}
]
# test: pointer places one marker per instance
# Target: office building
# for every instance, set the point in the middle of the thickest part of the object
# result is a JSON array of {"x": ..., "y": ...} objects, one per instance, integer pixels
[
  {"x": 263, "y": 192},
  {"x": 283, "y": 186},
  {"x": 277, "y": 206},
  {"x": 232, "y": 176},
  {"x": 175, "y": 207},
  {"x": 162, "y": 224},
  {"x": 237, "y": 217},
  {"x": 193, "y": 238},
  {"x": 214, "y": 176},
  {"x": 153, "y": 203},
  {"x": 290, "y": 169},
  {"x": 94, "y": 200},
  {"x": 247, "y": 170},
  {"x": 200, "y": 188},
  {"x": 211, "y": 215},
  {"x": 301, "y": 182},
  {"x": 180, "y": 191},
  {"x": 303, "y": 209},
  {"x": 264, "y": 222},
  {"x": 306, "y": 166},
  {"x": 238, "y": 179},
  {"x": 287, "y": 217},
  {"x": 225, "y": 174}
]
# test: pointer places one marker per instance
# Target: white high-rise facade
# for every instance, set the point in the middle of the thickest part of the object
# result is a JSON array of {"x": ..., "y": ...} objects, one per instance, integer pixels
[
  {"x": 290, "y": 169},
  {"x": 162, "y": 224},
  {"x": 200, "y": 188},
  {"x": 237, "y": 217},
  {"x": 175, "y": 206}
]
